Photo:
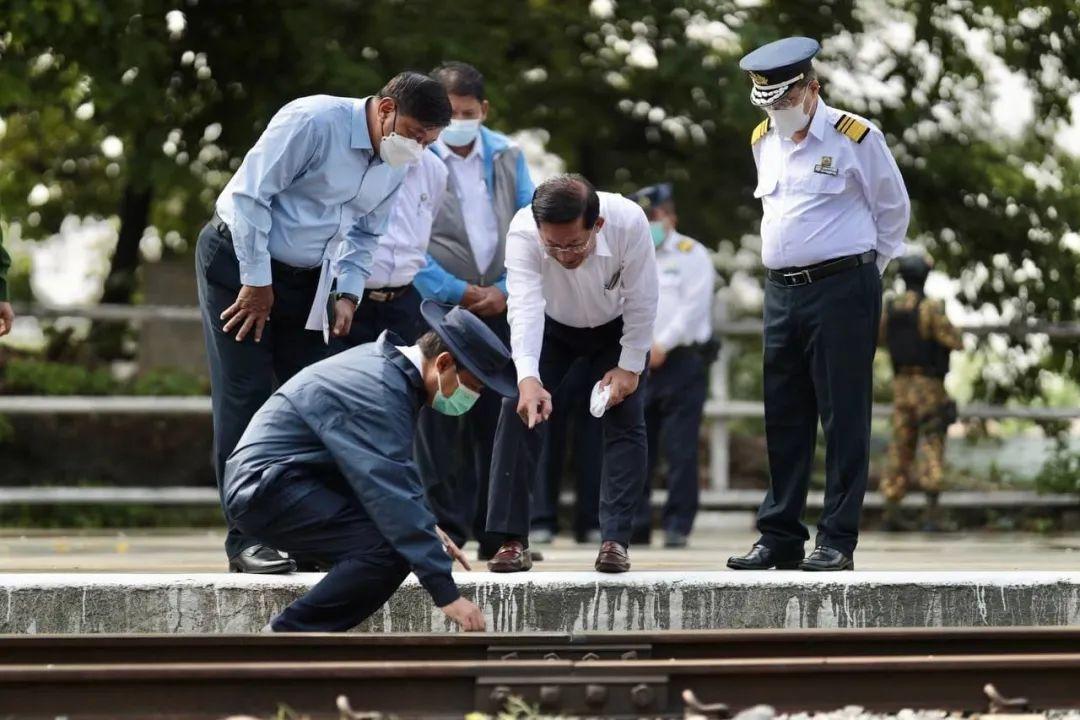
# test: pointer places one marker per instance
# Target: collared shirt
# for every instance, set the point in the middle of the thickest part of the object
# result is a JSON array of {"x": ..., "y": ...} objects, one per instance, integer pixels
[
  {"x": 402, "y": 251},
  {"x": 311, "y": 180},
  {"x": 829, "y": 196},
  {"x": 354, "y": 413},
  {"x": 687, "y": 278},
  {"x": 619, "y": 278},
  {"x": 480, "y": 222}
]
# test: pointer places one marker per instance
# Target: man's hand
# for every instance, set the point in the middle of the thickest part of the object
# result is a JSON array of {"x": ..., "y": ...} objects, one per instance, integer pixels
[
  {"x": 251, "y": 310},
  {"x": 452, "y": 549},
  {"x": 534, "y": 402},
  {"x": 344, "y": 309},
  {"x": 472, "y": 295},
  {"x": 467, "y": 616},
  {"x": 492, "y": 302},
  {"x": 623, "y": 384},
  {"x": 657, "y": 356},
  {"x": 7, "y": 318}
]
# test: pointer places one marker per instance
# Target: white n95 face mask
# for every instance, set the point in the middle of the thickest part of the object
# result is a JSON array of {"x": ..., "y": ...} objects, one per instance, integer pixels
[
  {"x": 398, "y": 151},
  {"x": 790, "y": 120}
]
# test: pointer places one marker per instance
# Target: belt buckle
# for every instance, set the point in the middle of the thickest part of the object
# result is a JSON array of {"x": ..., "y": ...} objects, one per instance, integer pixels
[
  {"x": 379, "y": 295},
  {"x": 795, "y": 279}
]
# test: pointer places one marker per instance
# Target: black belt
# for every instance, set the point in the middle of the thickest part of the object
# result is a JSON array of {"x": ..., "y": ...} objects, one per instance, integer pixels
[
  {"x": 221, "y": 226},
  {"x": 793, "y": 277},
  {"x": 386, "y": 294},
  {"x": 275, "y": 265}
]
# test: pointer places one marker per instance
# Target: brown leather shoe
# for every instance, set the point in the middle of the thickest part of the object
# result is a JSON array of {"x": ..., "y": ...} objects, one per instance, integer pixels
[
  {"x": 513, "y": 556},
  {"x": 613, "y": 558}
]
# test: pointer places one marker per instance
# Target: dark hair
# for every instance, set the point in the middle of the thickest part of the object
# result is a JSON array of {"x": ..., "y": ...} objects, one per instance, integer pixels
[
  {"x": 431, "y": 345},
  {"x": 565, "y": 198},
  {"x": 460, "y": 79},
  {"x": 420, "y": 97},
  {"x": 914, "y": 269}
]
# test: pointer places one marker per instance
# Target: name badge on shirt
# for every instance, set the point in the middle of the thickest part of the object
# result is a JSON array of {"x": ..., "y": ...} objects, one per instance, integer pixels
[{"x": 825, "y": 167}]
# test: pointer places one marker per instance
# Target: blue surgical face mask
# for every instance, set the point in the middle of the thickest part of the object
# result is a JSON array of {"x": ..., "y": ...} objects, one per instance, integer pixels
[
  {"x": 458, "y": 403},
  {"x": 658, "y": 232},
  {"x": 460, "y": 133}
]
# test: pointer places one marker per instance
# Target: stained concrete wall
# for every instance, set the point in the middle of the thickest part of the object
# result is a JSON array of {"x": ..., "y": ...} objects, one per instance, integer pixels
[{"x": 550, "y": 601}]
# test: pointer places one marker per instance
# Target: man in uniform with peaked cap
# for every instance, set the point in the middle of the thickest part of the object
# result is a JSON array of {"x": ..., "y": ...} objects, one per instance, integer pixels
[{"x": 835, "y": 211}]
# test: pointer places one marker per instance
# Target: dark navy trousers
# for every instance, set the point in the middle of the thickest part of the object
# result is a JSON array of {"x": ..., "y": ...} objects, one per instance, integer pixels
[
  {"x": 311, "y": 514},
  {"x": 244, "y": 374},
  {"x": 674, "y": 402},
  {"x": 453, "y": 455},
  {"x": 577, "y": 436},
  {"x": 400, "y": 316},
  {"x": 819, "y": 354},
  {"x": 517, "y": 449}
]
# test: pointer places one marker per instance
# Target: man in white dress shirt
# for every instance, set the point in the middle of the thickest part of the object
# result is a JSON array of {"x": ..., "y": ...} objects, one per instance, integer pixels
[
  {"x": 682, "y": 351},
  {"x": 581, "y": 274},
  {"x": 835, "y": 212},
  {"x": 390, "y": 302}
]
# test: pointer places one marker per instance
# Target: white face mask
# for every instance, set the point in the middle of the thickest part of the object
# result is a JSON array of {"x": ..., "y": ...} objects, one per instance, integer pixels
[
  {"x": 398, "y": 150},
  {"x": 460, "y": 133},
  {"x": 789, "y": 120}
]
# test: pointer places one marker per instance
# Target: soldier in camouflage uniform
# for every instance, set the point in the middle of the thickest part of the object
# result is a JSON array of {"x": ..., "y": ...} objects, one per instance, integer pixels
[{"x": 919, "y": 337}]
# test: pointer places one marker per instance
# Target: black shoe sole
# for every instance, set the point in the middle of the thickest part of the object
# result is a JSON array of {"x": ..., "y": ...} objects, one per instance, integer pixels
[
  {"x": 792, "y": 565},
  {"x": 818, "y": 568},
  {"x": 284, "y": 569}
]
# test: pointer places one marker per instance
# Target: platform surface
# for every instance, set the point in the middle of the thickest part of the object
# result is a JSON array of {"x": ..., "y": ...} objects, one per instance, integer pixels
[
  {"x": 172, "y": 582},
  {"x": 202, "y": 551}
]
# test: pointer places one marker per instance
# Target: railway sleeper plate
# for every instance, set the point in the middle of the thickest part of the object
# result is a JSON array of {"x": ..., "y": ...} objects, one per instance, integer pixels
[{"x": 629, "y": 695}]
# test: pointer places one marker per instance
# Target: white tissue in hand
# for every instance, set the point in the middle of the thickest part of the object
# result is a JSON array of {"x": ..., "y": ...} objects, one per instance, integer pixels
[{"x": 599, "y": 400}]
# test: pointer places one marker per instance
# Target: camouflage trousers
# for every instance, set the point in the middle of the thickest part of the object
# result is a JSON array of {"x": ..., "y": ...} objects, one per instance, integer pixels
[{"x": 918, "y": 431}]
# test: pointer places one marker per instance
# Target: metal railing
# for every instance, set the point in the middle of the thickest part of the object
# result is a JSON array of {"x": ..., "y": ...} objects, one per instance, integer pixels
[{"x": 719, "y": 410}]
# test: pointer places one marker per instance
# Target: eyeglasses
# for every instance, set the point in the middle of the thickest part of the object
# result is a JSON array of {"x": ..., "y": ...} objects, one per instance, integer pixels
[
  {"x": 790, "y": 100},
  {"x": 569, "y": 250}
]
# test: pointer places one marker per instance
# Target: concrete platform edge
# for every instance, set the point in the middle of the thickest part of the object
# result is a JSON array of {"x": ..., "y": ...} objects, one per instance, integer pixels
[{"x": 553, "y": 601}]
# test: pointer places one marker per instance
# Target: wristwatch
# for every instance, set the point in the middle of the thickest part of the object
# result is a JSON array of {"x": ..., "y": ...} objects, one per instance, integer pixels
[{"x": 347, "y": 296}]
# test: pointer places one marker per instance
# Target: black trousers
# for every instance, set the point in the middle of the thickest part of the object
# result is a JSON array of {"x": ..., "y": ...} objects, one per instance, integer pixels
[
  {"x": 453, "y": 455},
  {"x": 244, "y": 374},
  {"x": 819, "y": 354},
  {"x": 674, "y": 402},
  {"x": 576, "y": 435},
  {"x": 310, "y": 514},
  {"x": 400, "y": 316},
  {"x": 517, "y": 449}
]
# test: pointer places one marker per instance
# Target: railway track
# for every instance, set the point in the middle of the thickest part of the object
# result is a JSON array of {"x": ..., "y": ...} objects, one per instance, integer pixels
[{"x": 606, "y": 674}]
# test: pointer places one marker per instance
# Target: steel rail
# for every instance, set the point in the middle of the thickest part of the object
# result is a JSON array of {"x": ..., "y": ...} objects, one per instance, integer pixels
[
  {"x": 677, "y": 644},
  {"x": 608, "y": 688}
]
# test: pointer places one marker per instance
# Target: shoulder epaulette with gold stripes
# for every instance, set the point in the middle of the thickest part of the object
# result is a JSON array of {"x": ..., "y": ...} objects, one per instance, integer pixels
[
  {"x": 686, "y": 245},
  {"x": 854, "y": 128},
  {"x": 759, "y": 131}
]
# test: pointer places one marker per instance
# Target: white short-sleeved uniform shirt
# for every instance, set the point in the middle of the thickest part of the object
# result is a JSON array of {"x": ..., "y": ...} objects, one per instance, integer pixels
[
  {"x": 687, "y": 280},
  {"x": 838, "y": 192}
]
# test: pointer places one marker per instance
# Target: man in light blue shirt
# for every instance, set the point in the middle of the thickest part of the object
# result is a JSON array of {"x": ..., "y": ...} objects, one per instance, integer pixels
[{"x": 313, "y": 194}]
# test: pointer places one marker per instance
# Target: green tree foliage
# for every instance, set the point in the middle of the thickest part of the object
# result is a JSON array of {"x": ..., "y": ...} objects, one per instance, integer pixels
[{"x": 629, "y": 91}]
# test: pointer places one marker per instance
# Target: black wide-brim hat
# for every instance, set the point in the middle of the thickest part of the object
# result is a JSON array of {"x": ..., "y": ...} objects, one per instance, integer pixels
[{"x": 474, "y": 345}]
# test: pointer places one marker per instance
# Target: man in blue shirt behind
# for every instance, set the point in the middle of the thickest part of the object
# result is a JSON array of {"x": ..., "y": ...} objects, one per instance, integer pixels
[
  {"x": 488, "y": 182},
  {"x": 313, "y": 193},
  {"x": 325, "y": 469}
]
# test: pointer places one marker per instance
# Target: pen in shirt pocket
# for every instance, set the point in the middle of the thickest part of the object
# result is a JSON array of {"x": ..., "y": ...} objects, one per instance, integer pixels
[{"x": 614, "y": 280}]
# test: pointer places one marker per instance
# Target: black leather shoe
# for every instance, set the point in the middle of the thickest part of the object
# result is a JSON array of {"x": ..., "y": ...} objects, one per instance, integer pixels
[
  {"x": 825, "y": 559},
  {"x": 762, "y": 558},
  {"x": 261, "y": 560}
]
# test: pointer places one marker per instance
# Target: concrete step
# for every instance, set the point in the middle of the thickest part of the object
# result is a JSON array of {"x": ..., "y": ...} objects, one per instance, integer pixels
[
  {"x": 722, "y": 500},
  {"x": 555, "y": 601}
]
